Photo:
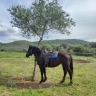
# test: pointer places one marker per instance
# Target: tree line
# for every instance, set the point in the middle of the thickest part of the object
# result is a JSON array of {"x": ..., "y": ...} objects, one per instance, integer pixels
[{"x": 78, "y": 49}]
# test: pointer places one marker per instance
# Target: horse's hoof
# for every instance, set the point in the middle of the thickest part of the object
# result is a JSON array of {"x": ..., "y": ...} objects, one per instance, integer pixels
[
  {"x": 70, "y": 83},
  {"x": 44, "y": 80},
  {"x": 32, "y": 80},
  {"x": 61, "y": 82},
  {"x": 40, "y": 82}
]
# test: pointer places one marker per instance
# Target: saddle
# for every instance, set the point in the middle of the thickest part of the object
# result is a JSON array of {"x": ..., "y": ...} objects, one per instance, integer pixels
[{"x": 47, "y": 55}]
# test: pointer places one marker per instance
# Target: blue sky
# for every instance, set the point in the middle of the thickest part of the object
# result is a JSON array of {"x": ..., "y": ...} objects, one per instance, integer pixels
[{"x": 83, "y": 13}]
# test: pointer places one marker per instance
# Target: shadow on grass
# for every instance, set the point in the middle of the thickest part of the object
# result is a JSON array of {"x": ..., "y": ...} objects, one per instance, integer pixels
[
  {"x": 26, "y": 83},
  {"x": 7, "y": 81}
]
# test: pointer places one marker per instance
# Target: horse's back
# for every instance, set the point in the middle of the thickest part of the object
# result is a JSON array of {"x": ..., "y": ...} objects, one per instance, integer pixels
[{"x": 63, "y": 55}]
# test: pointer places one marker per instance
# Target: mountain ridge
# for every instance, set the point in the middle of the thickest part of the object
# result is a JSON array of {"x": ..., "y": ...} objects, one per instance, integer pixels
[{"x": 23, "y": 44}]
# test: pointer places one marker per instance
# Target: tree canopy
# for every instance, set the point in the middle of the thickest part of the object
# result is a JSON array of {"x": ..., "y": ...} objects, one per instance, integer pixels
[{"x": 41, "y": 17}]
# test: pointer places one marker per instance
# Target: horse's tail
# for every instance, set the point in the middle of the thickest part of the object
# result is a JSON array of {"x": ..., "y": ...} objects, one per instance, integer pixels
[{"x": 71, "y": 64}]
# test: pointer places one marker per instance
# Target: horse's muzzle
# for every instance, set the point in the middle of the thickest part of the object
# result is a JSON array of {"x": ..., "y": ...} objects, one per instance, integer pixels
[{"x": 27, "y": 55}]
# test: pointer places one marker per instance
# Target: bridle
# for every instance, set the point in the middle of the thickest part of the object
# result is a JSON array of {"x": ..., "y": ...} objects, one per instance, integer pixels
[{"x": 32, "y": 49}]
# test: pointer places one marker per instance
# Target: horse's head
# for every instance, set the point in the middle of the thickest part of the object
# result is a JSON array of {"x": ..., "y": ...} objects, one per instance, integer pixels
[{"x": 30, "y": 51}]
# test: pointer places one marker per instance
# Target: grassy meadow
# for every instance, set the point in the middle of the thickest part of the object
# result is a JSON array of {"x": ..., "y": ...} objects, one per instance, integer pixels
[{"x": 15, "y": 65}]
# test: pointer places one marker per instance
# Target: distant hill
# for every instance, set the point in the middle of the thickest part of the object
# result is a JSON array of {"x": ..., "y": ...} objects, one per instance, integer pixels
[
  {"x": 65, "y": 41},
  {"x": 15, "y": 46},
  {"x": 23, "y": 45}
]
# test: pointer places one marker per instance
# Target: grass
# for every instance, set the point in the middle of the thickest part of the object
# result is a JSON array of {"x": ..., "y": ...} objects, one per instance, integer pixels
[
  {"x": 12, "y": 55},
  {"x": 14, "y": 65}
]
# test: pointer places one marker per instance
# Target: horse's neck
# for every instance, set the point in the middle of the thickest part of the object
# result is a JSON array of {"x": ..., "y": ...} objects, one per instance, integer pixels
[{"x": 37, "y": 53}]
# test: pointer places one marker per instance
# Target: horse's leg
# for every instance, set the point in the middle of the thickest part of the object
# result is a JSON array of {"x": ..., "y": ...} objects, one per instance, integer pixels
[
  {"x": 70, "y": 74},
  {"x": 41, "y": 70},
  {"x": 65, "y": 72},
  {"x": 45, "y": 75}
]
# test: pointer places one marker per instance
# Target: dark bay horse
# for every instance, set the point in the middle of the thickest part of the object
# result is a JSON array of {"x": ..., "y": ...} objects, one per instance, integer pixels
[{"x": 63, "y": 58}]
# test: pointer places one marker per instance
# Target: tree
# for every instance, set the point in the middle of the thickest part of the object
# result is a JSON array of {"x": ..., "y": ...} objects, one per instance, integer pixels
[
  {"x": 79, "y": 49},
  {"x": 42, "y": 17},
  {"x": 47, "y": 47},
  {"x": 93, "y": 44}
]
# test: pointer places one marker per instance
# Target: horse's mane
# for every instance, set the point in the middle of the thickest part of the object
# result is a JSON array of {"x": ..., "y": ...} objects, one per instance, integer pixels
[{"x": 37, "y": 49}]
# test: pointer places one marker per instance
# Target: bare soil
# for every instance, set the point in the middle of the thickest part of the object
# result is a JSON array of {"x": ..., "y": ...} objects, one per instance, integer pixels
[
  {"x": 23, "y": 82},
  {"x": 80, "y": 61}
]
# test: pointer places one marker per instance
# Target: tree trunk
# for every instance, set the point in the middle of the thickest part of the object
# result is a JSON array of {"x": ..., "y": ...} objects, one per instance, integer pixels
[
  {"x": 34, "y": 70},
  {"x": 33, "y": 76}
]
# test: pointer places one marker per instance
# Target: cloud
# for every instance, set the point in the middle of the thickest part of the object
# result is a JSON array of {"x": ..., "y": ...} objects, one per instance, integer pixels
[
  {"x": 83, "y": 13},
  {"x": 9, "y": 32}
]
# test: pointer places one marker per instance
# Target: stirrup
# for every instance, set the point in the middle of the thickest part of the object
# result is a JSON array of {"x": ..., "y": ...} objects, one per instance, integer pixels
[{"x": 46, "y": 64}]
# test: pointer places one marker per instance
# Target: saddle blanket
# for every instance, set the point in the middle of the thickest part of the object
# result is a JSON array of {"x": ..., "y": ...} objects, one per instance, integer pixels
[
  {"x": 50, "y": 56},
  {"x": 54, "y": 55}
]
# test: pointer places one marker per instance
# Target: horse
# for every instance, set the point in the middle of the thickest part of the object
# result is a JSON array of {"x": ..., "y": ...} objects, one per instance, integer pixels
[{"x": 63, "y": 58}]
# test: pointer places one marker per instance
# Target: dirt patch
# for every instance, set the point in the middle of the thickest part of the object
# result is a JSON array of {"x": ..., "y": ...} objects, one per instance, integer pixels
[
  {"x": 80, "y": 61},
  {"x": 23, "y": 82},
  {"x": 27, "y": 84},
  {"x": 33, "y": 85}
]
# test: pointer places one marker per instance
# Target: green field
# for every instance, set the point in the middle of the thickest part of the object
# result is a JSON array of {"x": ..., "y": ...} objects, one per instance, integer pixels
[{"x": 16, "y": 65}]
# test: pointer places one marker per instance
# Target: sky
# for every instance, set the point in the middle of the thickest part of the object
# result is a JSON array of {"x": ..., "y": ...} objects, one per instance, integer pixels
[{"x": 83, "y": 13}]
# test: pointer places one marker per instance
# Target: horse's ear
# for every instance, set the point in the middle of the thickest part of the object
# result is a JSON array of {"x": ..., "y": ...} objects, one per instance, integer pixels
[{"x": 29, "y": 45}]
